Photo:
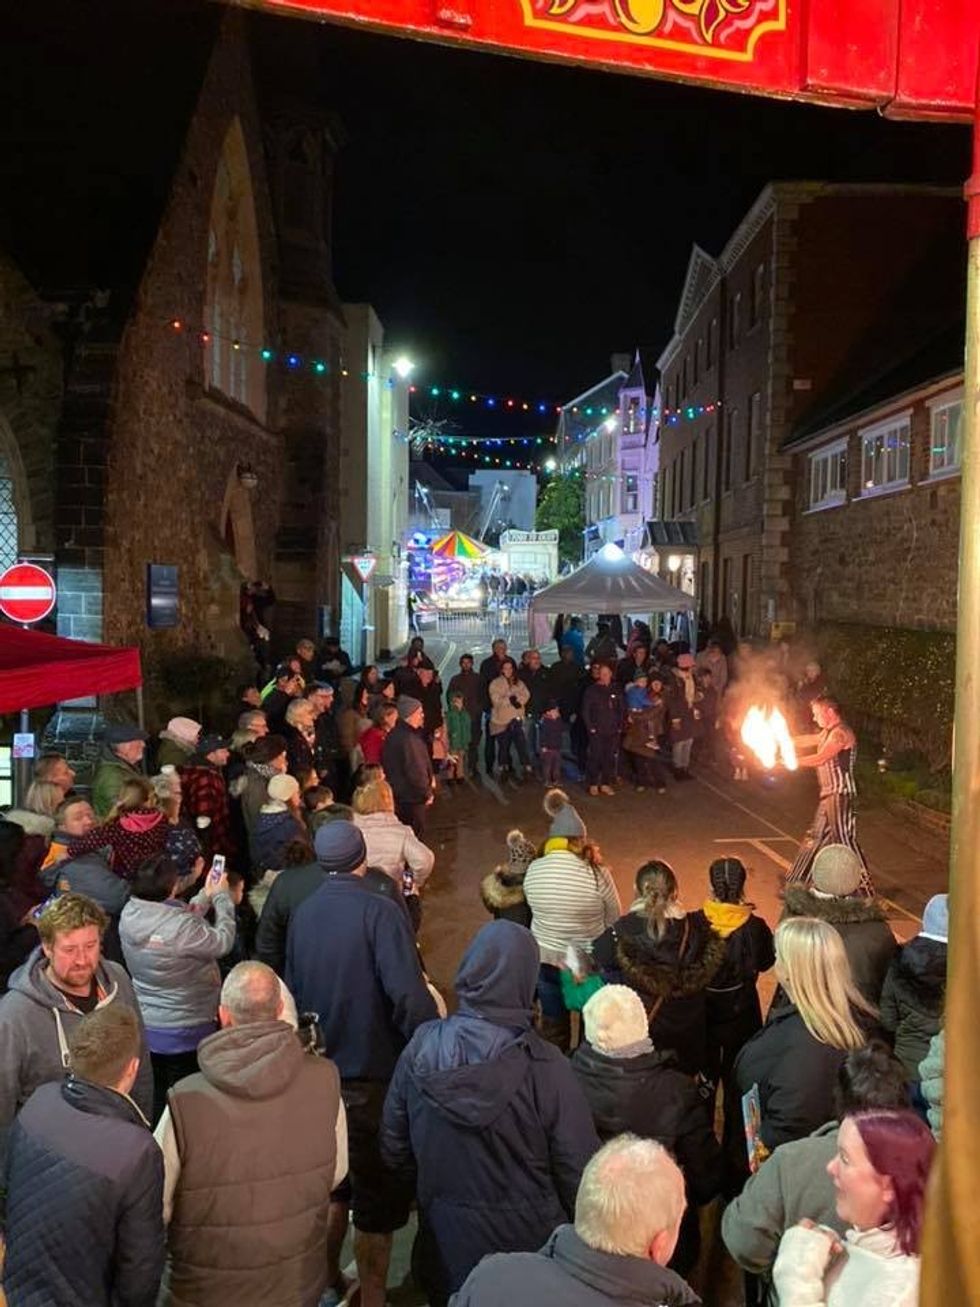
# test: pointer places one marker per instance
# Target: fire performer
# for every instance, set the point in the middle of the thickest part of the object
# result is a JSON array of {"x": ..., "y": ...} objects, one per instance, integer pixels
[{"x": 834, "y": 822}]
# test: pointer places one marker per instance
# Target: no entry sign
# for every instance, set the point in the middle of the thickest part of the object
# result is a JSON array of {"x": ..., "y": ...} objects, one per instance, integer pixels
[{"x": 27, "y": 593}]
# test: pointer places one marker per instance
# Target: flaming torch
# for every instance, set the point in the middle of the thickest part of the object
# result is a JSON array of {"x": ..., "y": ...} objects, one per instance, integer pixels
[{"x": 766, "y": 733}]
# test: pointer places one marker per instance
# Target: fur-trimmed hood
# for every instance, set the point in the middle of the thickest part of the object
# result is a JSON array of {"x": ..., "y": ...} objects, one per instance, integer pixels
[
  {"x": 500, "y": 890},
  {"x": 650, "y": 966},
  {"x": 798, "y": 901}
]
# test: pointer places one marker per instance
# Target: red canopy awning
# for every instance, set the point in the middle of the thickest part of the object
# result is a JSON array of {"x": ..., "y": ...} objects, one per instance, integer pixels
[{"x": 38, "y": 669}]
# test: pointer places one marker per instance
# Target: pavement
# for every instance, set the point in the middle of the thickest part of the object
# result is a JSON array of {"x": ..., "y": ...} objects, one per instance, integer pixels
[{"x": 760, "y": 821}]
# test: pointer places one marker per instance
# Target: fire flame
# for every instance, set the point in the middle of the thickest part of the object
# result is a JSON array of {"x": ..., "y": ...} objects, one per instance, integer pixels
[{"x": 766, "y": 733}]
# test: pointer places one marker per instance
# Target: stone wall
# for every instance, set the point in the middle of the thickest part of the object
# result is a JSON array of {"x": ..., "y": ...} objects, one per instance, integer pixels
[{"x": 887, "y": 559}]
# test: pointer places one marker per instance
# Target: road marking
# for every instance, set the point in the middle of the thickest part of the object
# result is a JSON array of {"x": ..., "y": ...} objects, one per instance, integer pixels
[
  {"x": 888, "y": 903},
  {"x": 761, "y": 847}
]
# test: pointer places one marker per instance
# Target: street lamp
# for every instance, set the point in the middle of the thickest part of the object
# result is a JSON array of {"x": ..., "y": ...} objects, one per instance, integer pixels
[
  {"x": 550, "y": 465},
  {"x": 403, "y": 366},
  {"x": 673, "y": 563}
]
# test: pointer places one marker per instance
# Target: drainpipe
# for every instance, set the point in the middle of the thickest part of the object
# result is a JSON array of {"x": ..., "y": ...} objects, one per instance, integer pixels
[{"x": 951, "y": 1252}]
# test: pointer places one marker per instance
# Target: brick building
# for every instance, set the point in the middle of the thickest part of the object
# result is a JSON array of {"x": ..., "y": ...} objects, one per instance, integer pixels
[
  {"x": 821, "y": 287},
  {"x": 171, "y": 343}
]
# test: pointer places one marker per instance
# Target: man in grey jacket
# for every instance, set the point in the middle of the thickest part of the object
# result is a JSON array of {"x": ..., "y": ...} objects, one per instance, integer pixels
[
  {"x": 64, "y": 978},
  {"x": 793, "y": 1183}
]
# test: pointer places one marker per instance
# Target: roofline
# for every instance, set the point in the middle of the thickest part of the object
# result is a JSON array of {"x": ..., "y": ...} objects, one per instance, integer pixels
[
  {"x": 592, "y": 389},
  {"x": 944, "y": 381}
]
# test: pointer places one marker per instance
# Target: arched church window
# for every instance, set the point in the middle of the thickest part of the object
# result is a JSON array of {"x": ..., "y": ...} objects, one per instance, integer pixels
[
  {"x": 234, "y": 311},
  {"x": 8, "y": 517}
]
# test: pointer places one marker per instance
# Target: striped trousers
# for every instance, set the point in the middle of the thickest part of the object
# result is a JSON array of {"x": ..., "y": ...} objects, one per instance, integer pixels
[{"x": 834, "y": 823}]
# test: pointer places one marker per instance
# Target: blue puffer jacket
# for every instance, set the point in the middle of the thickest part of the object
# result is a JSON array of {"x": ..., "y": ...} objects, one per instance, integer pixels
[
  {"x": 271, "y": 837},
  {"x": 84, "y": 1201},
  {"x": 494, "y": 1117}
]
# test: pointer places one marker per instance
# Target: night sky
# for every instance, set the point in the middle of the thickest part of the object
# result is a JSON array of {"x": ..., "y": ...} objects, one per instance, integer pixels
[{"x": 516, "y": 222}]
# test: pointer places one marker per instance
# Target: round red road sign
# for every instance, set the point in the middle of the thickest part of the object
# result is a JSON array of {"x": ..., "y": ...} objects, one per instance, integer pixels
[{"x": 27, "y": 593}]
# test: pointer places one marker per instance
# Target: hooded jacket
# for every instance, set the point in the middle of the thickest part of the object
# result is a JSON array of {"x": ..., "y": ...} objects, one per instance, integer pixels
[
  {"x": 502, "y": 893},
  {"x": 90, "y": 875},
  {"x": 172, "y": 955},
  {"x": 35, "y": 1021},
  {"x": 275, "y": 829},
  {"x": 868, "y": 940},
  {"x": 256, "y": 1139},
  {"x": 130, "y": 838},
  {"x": 83, "y": 1155},
  {"x": 672, "y": 981},
  {"x": 493, "y": 1117},
  {"x": 568, "y": 1272},
  {"x": 913, "y": 998}
]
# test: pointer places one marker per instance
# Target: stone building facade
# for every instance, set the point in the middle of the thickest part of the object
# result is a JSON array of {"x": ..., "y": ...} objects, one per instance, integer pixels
[
  {"x": 171, "y": 364},
  {"x": 821, "y": 287}
]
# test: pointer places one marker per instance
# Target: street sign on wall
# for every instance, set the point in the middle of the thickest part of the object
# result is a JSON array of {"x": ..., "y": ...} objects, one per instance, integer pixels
[
  {"x": 27, "y": 593},
  {"x": 911, "y": 58}
]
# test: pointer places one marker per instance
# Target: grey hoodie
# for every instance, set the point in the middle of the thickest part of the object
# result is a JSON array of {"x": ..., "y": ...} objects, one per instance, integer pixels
[
  {"x": 172, "y": 954},
  {"x": 35, "y": 1022}
]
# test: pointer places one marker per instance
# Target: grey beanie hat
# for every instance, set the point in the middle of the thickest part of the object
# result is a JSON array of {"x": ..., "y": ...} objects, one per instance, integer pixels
[
  {"x": 837, "y": 870},
  {"x": 567, "y": 824},
  {"x": 406, "y": 705}
]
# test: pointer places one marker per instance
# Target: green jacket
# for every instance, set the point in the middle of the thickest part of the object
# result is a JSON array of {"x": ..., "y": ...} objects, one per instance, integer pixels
[
  {"x": 460, "y": 729},
  {"x": 111, "y": 773},
  {"x": 932, "y": 1077},
  {"x": 791, "y": 1184}
]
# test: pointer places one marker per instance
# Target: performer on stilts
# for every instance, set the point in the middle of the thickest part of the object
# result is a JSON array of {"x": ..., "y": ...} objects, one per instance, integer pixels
[{"x": 835, "y": 748}]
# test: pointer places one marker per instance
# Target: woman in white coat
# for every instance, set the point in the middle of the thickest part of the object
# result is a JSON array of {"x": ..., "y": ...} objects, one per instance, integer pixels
[
  {"x": 392, "y": 847},
  {"x": 508, "y": 701},
  {"x": 879, "y": 1172}
]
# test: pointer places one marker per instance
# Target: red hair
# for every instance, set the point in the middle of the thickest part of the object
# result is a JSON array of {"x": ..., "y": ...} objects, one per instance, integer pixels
[{"x": 900, "y": 1146}]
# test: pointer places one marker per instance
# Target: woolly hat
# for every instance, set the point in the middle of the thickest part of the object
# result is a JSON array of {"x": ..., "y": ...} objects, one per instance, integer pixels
[
  {"x": 615, "y": 1018},
  {"x": 935, "y": 919},
  {"x": 520, "y": 853},
  {"x": 184, "y": 730},
  {"x": 406, "y": 705},
  {"x": 837, "y": 870},
  {"x": 283, "y": 787},
  {"x": 339, "y": 847},
  {"x": 565, "y": 821},
  {"x": 210, "y": 743}
]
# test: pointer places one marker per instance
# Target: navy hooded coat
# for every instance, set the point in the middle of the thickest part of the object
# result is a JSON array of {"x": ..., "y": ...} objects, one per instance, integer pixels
[{"x": 493, "y": 1117}]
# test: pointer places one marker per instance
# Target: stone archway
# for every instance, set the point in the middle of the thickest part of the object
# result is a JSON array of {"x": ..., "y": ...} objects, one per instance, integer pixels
[{"x": 16, "y": 520}]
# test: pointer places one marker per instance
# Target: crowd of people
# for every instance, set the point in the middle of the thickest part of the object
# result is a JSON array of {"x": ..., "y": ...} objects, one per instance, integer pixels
[{"x": 221, "y": 1052}]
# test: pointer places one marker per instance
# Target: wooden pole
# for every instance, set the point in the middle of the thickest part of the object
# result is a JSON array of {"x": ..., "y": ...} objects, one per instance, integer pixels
[{"x": 951, "y": 1252}]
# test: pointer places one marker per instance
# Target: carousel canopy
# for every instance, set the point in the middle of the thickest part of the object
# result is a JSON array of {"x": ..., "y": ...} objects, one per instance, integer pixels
[{"x": 457, "y": 544}]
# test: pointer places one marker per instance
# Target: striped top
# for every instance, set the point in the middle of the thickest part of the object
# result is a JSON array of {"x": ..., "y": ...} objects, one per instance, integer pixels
[
  {"x": 836, "y": 775},
  {"x": 571, "y": 902}
]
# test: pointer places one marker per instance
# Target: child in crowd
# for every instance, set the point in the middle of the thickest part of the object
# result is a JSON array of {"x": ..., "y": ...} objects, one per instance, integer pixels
[
  {"x": 460, "y": 728},
  {"x": 502, "y": 890},
  {"x": 550, "y": 727}
]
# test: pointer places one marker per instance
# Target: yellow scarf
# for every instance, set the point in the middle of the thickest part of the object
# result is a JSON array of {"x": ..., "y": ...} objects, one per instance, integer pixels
[
  {"x": 555, "y": 843},
  {"x": 726, "y": 917}
]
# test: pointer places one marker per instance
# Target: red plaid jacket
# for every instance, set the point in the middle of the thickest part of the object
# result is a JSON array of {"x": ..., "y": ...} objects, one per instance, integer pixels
[{"x": 204, "y": 794}]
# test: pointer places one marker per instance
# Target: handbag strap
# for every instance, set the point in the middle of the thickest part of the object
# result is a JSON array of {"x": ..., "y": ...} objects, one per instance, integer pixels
[{"x": 659, "y": 1002}]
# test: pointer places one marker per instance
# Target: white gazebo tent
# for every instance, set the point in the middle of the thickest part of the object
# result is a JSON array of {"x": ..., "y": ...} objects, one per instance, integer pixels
[{"x": 609, "y": 582}]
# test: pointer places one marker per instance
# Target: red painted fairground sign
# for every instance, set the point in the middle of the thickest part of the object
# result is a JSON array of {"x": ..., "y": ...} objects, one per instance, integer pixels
[{"x": 912, "y": 58}]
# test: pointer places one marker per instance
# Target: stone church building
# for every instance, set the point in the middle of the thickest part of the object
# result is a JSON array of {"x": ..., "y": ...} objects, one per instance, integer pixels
[{"x": 171, "y": 342}]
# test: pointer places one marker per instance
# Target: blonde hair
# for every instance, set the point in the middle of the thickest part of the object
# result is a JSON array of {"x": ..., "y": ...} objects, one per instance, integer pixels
[
  {"x": 376, "y": 796},
  {"x": 135, "y": 793},
  {"x": 656, "y": 897},
  {"x": 631, "y": 1191},
  {"x": 240, "y": 738},
  {"x": 44, "y": 798},
  {"x": 813, "y": 968}
]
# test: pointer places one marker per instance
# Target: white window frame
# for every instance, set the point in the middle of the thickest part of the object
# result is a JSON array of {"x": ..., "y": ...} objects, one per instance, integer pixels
[
  {"x": 631, "y": 496},
  {"x": 833, "y": 498},
  {"x": 942, "y": 404},
  {"x": 896, "y": 422}
]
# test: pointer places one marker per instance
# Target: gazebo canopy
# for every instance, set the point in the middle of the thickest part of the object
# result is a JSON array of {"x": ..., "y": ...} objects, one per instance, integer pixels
[
  {"x": 610, "y": 582},
  {"x": 37, "y": 669}
]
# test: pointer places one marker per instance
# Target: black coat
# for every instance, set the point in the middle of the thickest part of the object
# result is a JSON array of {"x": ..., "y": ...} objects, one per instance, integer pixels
[
  {"x": 651, "y": 1097},
  {"x": 566, "y": 681},
  {"x": 672, "y": 985},
  {"x": 732, "y": 994},
  {"x": 795, "y": 1073},
  {"x": 913, "y": 998},
  {"x": 493, "y": 1117},
  {"x": 408, "y": 767},
  {"x": 84, "y": 1201},
  {"x": 538, "y": 687},
  {"x": 289, "y": 889},
  {"x": 868, "y": 940},
  {"x": 603, "y": 710},
  {"x": 503, "y": 897},
  {"x": 300, "y": 754}
]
